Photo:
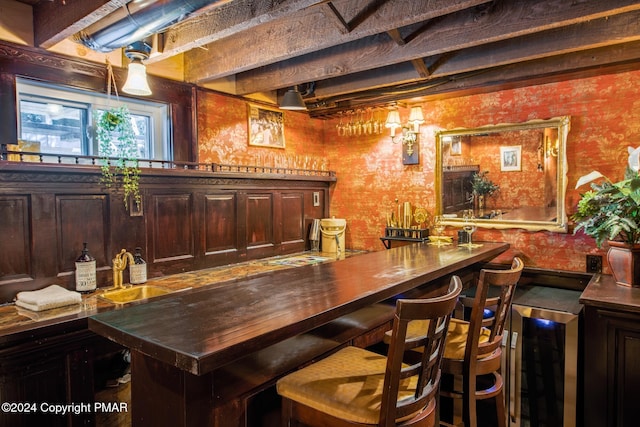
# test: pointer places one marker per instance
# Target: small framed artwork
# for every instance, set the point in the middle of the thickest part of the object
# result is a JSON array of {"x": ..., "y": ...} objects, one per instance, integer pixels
[
  {"x": 456, "y": 147},
  {"x": 266, "y": 126},
  {"x": 510, "y": 158}
]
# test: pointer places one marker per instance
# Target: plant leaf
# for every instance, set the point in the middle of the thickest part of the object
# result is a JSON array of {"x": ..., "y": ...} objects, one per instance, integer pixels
[{"x": 585, "y": 179}]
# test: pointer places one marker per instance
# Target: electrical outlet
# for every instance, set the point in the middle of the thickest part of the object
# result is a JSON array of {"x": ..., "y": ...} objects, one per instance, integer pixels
[{"x": 594, "y": 264}]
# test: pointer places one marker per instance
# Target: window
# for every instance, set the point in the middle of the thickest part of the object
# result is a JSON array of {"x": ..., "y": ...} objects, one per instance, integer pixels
[{"x": 58, "y": 120}]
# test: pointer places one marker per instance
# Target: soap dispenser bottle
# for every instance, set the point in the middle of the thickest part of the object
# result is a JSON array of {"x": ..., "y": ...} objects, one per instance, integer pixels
[
  {"x": 86, "y": 280},
  {"x": 138, "y": 270}
]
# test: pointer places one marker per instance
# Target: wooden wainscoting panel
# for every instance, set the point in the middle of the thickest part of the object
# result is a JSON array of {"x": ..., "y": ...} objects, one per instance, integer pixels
[
  {"x": 220, "y": 223},
  {"x": 260, "y": 223},
  {"x": 82, "y": 218},
  {"x": 16, "y": 259},
  {"x": 172, "y": 227},
  {"x": 292, "y": 213}
]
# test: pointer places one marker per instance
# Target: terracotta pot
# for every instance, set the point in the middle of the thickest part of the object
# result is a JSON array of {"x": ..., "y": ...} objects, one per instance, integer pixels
[{"x": 624, "y": 261}]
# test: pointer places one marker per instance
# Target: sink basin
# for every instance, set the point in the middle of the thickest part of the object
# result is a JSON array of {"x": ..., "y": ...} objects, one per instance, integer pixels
[{"x": 134, "y": 293}]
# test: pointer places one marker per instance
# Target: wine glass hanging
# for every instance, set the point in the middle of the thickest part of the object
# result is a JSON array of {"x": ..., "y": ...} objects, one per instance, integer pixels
[{"x": 361, "y": 122}]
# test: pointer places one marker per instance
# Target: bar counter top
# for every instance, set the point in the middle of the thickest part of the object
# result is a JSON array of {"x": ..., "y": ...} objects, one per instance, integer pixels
[
  {"x": 198, "y": 332},
  {"x": 15, "y": 320},
  {"x": 603, "y": 292}
]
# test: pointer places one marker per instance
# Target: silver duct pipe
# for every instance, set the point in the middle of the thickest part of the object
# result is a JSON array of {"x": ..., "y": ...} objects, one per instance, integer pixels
[{"x": 136, "y": 21}]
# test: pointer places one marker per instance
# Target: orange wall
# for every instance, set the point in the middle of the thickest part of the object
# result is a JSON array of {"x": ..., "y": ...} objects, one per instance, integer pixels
[
  {"x": 223, "y": 137},
  {"x": 605, "y": 119}
]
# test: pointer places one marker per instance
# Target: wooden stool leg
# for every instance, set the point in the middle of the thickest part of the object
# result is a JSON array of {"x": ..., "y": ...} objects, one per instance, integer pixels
[{"x": 469, "y": 409}]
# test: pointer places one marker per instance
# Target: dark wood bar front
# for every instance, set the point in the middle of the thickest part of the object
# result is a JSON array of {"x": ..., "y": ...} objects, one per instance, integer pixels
[{"x": 180, "y": 345}]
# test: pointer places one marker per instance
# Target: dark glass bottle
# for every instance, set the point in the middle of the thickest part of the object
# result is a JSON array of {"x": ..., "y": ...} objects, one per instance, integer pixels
[
  {"x": 86, "y": 280},
  {"x": 138, "y": 270}
]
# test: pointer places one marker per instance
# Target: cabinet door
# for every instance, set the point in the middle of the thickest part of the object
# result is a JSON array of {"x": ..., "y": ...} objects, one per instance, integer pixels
[{"x": 612, "y": 371}]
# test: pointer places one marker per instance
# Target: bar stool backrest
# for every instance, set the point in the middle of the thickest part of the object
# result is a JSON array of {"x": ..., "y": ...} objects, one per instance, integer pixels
[{"x": 438, "y": 310}]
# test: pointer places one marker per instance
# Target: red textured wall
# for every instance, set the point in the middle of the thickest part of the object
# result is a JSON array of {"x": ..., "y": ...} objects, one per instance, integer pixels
[
  {"x": 223, "y": 135},
  {"x": 605, "y": 119}
]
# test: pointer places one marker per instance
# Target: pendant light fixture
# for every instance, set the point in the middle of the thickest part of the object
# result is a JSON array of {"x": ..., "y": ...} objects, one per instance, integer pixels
[
  {"x": 136, "y": 83},
  {"x": 292, "y": 100}
]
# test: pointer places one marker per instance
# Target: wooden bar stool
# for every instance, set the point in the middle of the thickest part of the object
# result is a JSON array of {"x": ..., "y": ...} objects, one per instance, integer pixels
[
  {"x": 472, "y": 360},
  {"x": 357, "y": 387},
  {"x": 473, "y": 347}
]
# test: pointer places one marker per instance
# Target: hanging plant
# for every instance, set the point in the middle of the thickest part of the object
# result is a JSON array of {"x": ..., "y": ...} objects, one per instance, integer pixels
[{"x": 118, "y": 148}]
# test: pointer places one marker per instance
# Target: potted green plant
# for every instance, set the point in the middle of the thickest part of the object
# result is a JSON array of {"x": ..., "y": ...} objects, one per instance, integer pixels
[
  {"x": 482, "y": 187},
  {"x": 118, "y": 148},
  {"x": 610, "y": 212}
]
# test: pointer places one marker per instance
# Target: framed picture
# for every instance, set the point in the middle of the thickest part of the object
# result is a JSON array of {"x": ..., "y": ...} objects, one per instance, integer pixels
[
  {"x": 510, "y": 158},
  {"x": 266, "y": 126},
  {"x": 456, "y": 147}
]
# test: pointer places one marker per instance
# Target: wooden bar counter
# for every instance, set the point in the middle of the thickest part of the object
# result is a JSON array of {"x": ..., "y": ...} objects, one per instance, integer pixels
[{"x": 181, "y": 345}]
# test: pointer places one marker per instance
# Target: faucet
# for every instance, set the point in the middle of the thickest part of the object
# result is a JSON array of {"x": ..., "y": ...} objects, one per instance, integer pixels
[{"x": 119, "y": 264}]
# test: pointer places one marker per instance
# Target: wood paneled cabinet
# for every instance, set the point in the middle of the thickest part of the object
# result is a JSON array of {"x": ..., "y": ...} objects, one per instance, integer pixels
[
  {"x": 52, "y": 366},
  {"x": 456, "y": 189},
  {"x": 189, "y": 221},
  {"x": 612, "y": 348}
]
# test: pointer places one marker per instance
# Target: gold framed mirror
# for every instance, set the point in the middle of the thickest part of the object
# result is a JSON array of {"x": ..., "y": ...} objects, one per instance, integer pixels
[{"x": 526, "y": 161}]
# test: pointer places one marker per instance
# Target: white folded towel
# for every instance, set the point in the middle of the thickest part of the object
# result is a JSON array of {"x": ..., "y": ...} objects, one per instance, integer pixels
[{"x": 50, "y": 297}]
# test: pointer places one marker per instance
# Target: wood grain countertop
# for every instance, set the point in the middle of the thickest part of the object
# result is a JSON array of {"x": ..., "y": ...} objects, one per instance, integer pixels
[
  {"x": 603, "y": 292},
  {"x": 16, "y": 322},
  {"x": 201, "y": 331}
]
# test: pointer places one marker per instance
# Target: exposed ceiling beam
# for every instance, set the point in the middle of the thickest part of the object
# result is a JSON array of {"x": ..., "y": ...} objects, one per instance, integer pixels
[
  {"x": 53, "y": 23},
  {"x": 225, "y": 20},
  {"x": 333, "y": 12},
  {"x": 617, "y": 58},
  {"x": 588, "y": 35},
  {"x": 238, "y": 52},
  {"x": 453, "y": 32}
]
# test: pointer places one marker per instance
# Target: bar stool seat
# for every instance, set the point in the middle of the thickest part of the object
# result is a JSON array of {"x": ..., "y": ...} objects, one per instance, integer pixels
[
  {"x": 355, "y": 386},
  {"x": 347, "y": 385}
]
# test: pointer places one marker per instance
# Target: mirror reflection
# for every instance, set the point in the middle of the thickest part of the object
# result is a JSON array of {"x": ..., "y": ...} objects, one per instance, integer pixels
[{"x": 507, "y": 175}]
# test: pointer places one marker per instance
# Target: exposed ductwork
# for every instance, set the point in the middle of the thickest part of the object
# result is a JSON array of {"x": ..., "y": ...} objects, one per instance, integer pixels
[{"x": 136, "y": 21}]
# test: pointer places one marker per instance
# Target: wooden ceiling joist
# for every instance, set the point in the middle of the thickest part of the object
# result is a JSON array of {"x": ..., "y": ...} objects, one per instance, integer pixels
[{"x": 452, "y": 33}]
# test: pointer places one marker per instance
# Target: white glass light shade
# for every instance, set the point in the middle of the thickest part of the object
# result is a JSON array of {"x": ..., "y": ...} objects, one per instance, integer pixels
[
  {"x": 136, "y": 83},
  {"x": 416, "y": 118},
  {"x": 393, "y": 121}
]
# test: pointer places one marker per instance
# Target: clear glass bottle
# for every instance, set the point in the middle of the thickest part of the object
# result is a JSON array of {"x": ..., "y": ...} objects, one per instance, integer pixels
[
  {"x": 86, "y": 280},
  {"x": 138, "y": 270}
]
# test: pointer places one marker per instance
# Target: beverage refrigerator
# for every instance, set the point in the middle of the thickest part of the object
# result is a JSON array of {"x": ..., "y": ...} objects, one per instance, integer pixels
[{"x": 542, "y": 362}]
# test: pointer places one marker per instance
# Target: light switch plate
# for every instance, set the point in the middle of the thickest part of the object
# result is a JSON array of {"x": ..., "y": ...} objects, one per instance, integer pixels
[{"x": 316, "y": 198}]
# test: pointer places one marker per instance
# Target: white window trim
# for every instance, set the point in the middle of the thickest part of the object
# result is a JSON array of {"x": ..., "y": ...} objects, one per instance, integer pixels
[{"x": 161, "y": 147}]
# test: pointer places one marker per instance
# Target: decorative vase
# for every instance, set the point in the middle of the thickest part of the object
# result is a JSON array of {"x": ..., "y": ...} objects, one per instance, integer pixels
[{"x": 624, "y": 260}]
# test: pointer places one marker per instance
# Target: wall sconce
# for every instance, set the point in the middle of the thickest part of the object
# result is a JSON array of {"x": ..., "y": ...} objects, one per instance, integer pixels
[
  {"x": 409, "y": 131},
  {"x": 136, "y": 83},
  {"x": 552, "y": 147}
]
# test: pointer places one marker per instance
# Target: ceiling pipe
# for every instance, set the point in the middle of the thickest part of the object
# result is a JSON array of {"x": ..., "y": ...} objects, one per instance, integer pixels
[{"x": 135, "y": 21}]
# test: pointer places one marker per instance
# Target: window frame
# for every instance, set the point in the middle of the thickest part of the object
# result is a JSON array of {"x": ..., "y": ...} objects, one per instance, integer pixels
[{"x": 160, "y": 146}]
